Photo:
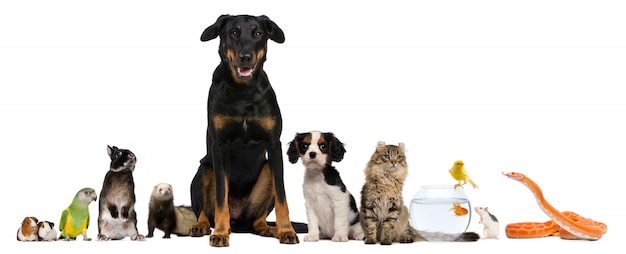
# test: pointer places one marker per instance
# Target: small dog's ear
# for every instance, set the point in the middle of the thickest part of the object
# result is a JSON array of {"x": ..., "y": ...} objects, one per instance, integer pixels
[
  {"x": 337, "y": 149},
  {"x": 213, "y": 31},
  {"x": 274, "y": 32},
  {"x": 292, "y": 152}
]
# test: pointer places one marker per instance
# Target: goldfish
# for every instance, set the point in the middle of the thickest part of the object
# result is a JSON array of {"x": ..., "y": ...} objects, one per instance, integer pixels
[{"x": 458, "y": 210}]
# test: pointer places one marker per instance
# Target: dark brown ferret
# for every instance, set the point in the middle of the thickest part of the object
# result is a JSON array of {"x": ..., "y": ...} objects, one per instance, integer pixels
[{"x": 165, "y": 216}]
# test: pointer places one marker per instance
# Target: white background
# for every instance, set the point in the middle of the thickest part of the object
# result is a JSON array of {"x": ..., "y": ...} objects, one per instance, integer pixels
[{"x": 531, "y": 86}]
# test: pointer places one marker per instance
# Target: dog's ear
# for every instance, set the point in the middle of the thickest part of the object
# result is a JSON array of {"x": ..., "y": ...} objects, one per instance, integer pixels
[
  {"x": 292, "y": 152},
  {"x": 337, "y": 149},
  {"x": 213, "y": 31},
  {"x": 274, "y": 32}
]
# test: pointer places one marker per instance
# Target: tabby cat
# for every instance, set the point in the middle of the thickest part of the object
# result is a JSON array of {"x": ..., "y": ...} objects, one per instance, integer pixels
[{"x": 383, "y": 214}]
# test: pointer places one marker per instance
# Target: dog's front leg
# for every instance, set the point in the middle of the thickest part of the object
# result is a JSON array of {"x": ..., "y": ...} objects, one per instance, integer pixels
[
  {"x": 314, "y": 230},
  {"x": 341, "y": 223},
  {"x": 285, "y": 231},
  {"x": 220, "y": 237}
]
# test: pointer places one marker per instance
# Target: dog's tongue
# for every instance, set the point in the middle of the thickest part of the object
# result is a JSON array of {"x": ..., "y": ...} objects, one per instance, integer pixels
[{"x": 245, "y": 71}]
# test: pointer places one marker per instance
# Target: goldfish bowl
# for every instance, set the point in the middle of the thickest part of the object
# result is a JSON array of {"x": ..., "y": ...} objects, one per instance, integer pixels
[{"x": 440, "y": 212}]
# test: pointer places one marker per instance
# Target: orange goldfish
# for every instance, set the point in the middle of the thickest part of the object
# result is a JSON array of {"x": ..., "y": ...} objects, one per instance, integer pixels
[{"x": 458, "y": 210}]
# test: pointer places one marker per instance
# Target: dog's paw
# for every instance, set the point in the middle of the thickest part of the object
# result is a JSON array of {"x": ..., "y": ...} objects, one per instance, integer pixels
[
  {"x": 200, "y": 229},
  {"x": 219, "y": 240},
  {"x": 311, "y": 238},
  {"x": 359, "y": 236},
  {"x": 288, "y": 238},
  {"x": 340, "y": 238}
]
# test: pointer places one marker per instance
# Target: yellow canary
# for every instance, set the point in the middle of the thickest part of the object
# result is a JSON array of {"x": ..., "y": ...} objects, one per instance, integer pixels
[{"x": 457, "y": 171}]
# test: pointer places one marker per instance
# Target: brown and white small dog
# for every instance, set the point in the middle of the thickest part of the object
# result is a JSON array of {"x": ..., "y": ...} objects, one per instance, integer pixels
[
  {"x": 28, "y": 229},
  {"x": 331, "y": 209}
]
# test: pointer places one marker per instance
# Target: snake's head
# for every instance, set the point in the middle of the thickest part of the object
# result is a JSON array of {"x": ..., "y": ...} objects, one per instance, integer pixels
[{"x": 514, "y": 175}]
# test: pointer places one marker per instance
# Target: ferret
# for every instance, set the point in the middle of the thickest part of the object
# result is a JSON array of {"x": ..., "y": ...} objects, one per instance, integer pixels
[
  {"x": 29, "y": 230},
  {"x": 167, "y": 217},
  {"x": 46, "y": 231},
  {"x": 117, "y": 217},
  {"x": 490, "y": 222}
]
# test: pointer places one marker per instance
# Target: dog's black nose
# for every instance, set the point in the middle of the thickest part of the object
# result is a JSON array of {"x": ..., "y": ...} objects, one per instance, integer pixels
[
  {"x": 312, "y": 155},
  {"x": 245, "y": 58}
]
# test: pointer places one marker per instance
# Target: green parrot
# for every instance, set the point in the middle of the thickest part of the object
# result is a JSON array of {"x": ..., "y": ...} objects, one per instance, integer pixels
[{"x": 75, "y": 218}]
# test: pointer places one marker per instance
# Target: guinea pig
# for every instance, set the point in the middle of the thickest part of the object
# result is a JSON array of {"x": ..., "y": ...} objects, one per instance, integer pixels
[
  {"x": 46, "y": 231},
  {"x": 28, "y": 230}
]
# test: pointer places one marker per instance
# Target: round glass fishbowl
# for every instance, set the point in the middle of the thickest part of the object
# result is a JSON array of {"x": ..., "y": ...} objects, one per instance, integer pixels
[{"x": 440, "y": 212}]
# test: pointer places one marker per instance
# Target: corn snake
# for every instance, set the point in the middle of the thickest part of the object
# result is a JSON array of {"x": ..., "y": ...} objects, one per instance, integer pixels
[{"x": 567, "y": 225}]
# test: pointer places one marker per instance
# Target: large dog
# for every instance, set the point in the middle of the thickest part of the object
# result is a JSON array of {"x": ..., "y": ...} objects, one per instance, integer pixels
[{"x": 237, "y": 186}]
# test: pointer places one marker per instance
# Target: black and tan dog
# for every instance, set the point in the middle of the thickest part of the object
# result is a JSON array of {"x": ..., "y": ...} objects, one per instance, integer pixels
[{"x": 237, "y": 186}]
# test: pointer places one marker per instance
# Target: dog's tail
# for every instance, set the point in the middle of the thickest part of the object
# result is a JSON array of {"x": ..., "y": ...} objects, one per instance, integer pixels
[{"x": 299, "y": 227}]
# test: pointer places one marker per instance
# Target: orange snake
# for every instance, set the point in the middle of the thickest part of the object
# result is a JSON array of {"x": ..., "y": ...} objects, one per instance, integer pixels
[{"x": 568, "y": 225}]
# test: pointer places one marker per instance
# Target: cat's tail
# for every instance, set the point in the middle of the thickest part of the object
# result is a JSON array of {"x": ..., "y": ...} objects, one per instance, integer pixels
[
  {"x": 468, "y": 237},
  {"x": 443, "y": 237}
]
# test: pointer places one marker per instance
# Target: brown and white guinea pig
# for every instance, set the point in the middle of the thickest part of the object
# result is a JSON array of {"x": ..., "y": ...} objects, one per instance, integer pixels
[
  {"x": 46, "y": 231},
  {"x": 28, "y": 230}
]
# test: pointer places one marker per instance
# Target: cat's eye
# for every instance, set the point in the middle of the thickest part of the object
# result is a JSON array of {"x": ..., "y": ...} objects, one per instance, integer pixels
[
  {"x": 386, "y": 156},
  {"x": 399, "y": 157}
]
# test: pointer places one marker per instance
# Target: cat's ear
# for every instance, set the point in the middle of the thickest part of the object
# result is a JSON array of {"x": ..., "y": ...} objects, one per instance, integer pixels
[
  {"x": 401, "y": 145},
  {"x": 292, "y": 152},
  {"x": 381, "y": 146},
  {"x": 337, "y": 149}
]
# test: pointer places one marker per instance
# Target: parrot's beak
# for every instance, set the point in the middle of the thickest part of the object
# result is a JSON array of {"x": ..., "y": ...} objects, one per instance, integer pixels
[{"x": 94, "y": 197}]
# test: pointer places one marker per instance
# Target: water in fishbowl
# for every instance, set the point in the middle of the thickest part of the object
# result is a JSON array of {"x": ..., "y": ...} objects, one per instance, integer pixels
[{"x": 435, "y": 218}]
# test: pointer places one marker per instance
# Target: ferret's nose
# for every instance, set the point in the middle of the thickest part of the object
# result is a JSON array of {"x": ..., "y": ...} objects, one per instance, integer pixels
[{"x": 312, "y": 155}]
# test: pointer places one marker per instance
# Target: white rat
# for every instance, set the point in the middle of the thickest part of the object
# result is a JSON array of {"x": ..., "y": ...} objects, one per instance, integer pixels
[{"x": 489, "y": 221}]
